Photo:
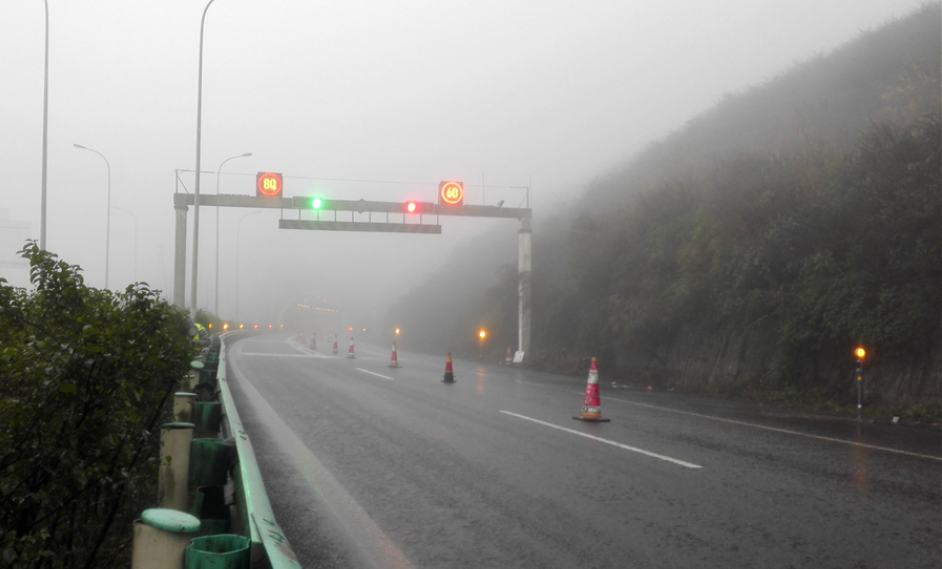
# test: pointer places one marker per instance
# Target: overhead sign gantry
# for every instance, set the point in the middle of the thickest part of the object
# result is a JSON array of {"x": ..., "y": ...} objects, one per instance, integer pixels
[{"x": 408, "y": 217}]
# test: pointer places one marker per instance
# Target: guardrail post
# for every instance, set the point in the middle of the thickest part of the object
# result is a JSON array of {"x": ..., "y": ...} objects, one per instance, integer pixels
[
  {"x": 207, "y": 416},
  {"x": 174, "y": 469},
  {"x": 222, "y": 551},
  {"x": 161, "y": 537}
]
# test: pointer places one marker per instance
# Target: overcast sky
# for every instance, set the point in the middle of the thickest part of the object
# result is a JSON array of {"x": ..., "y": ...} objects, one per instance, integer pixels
[{"x": 514, "y": 92}]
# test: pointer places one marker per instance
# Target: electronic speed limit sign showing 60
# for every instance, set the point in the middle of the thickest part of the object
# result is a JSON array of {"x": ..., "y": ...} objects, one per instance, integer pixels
[
  {"x": 451, "y": 193},
  {"x": 268, "y": 185}
]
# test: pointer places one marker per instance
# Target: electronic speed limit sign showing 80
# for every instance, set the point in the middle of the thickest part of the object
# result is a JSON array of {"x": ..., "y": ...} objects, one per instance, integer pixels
[
  {"x": 268, "y": 185},
  {"x": 451, "y": 193}
]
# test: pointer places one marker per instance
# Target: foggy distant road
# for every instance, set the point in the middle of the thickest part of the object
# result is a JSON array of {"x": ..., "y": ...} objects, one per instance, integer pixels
[{"x": 371, "y": 466}]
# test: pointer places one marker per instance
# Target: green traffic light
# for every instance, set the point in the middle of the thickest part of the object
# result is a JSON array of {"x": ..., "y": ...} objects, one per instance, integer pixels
[{"x": 316, "y": 203}]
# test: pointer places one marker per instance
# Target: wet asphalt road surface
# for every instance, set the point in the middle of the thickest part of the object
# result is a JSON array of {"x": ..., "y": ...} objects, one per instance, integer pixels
[{"x": 368, "y": 466}]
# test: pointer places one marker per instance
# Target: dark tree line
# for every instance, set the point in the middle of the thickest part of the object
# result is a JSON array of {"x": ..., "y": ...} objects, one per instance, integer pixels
[{"x": 756, "y": 246}]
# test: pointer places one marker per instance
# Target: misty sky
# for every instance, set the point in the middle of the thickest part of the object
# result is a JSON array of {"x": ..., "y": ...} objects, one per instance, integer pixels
[{"x": 552, "y": 93}]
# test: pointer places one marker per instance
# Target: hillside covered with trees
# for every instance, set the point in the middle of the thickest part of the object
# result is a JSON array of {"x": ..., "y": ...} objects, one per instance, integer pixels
[{"x": 755, "y": 247}]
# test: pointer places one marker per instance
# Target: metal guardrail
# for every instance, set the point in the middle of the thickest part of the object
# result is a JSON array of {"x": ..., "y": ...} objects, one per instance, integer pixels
[{"x": 258, "y": 521}]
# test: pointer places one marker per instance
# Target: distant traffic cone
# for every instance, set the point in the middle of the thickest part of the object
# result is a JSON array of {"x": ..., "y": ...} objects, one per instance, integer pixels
[
  {"x": 335, "y": 350},
  {"x": 394, "y": 359},
  {"x": 591, "y": 405},
  {"x": 449, "y": 373},
  {"x": 350, "y": 353},
  {"x": 509, "y": 358}
]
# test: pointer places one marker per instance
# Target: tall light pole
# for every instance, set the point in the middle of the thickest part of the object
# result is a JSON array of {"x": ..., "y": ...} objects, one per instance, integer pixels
[
  {"x": 108, "y": 217},
  {"x": 134, "y": 217},
  {"x": 42, "y": 213},
  {"x": 218, "y": 171},
  {"x": 238, "y": 237},
  {"x": 196, "y": 191}
]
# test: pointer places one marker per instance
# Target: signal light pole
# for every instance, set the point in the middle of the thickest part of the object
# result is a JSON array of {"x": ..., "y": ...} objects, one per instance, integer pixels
[{"x": 860, "y": 353}]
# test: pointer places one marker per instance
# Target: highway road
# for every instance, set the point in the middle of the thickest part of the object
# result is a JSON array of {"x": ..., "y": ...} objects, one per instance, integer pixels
[{"x": 368, "y": 466}]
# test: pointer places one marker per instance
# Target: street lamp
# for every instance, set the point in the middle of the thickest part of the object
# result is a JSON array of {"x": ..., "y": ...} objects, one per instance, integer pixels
[
  {"x": 42, "y": 212},
  {"x": 238, "y": 237},
  {"x": 108, "y": 217},
  {"x": 196, "y": 191},
  {"x": 246, "y": 155},
  {"x": 134, "y": 217}
]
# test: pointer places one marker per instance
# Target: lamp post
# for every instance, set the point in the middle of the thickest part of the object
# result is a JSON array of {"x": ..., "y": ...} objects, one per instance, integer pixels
[
  {"x": 860, "y": 353},
  {"x": 218, "y": 171},
  {"x": 42, "y": 212},
  {"x": 134, "y": 217},
  {"x": 196, "y": 190},
  {"x": 238, "y": 237},
  {"x": 108, "y": 217}
]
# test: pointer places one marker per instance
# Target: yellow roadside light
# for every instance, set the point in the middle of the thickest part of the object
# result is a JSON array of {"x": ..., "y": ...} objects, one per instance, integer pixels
[
  {"x": 860, "y": 353},
  {"x": 482, "y": 334},
  {"x": 397, "y": 331}
]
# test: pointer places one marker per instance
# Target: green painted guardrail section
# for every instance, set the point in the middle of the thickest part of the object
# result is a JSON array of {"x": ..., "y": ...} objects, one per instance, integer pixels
[{"x": 258, "y": 520}]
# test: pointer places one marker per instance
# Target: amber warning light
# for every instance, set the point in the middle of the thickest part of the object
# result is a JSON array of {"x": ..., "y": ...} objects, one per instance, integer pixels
[
  {"x": 268, "y": 185},
  {"x": 451, "y": 193}
]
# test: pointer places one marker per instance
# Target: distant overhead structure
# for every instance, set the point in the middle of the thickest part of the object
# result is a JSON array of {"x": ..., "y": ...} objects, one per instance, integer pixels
[{"x": 409, "y": 217}]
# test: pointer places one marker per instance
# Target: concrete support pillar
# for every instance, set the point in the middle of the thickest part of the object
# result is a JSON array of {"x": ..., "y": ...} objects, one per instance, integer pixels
[
  {"x": 183, "y": 407},
  {"x": 523, "y": 284},
  {"x": 174, "y": 471},
  {"x": 194, "y": 378},
  {"x": 160, "y": 539},
  {"x": 179, "y": 257}
]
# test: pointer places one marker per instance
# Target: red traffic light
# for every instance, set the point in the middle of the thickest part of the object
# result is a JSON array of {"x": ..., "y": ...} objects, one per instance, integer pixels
[{"x": 411, "y": 207}]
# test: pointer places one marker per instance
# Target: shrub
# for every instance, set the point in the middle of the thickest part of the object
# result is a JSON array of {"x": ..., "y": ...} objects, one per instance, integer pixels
[{"x": 85, "y": 380}]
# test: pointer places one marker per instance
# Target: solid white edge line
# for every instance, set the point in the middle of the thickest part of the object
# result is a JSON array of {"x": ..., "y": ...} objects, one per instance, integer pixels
[
  {"x": 606, "y": 441},
  {"x": 374, "y": 373},
  {"x": 775, "y": 429},
  {"x": 259, "y": 354}
]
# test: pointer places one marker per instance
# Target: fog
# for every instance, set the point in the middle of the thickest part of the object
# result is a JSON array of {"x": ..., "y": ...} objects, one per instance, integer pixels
[{"x": 350, "y": 100}]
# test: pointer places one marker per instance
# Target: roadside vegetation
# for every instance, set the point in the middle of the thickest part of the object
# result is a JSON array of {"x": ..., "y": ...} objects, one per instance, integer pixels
[
  {"x": 749, "y": 252},
  {"x": 86, "y": 379}
]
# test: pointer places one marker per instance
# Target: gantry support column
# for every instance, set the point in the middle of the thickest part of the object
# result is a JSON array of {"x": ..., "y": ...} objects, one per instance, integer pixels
[
  {"x": 523, "y": 285},
  {"x": 179, "y": 257}
]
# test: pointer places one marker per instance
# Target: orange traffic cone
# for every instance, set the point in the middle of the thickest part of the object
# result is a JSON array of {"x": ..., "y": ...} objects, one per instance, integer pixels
[
  {"x": 509, "y": 358},
  {"x": 335, "y": 350},
  {"x": 350, "y": 353},
  {"x": 591, "y": 405},
  {"x": 394, "y": 359},
  {"x": 449, "y": 373}
]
